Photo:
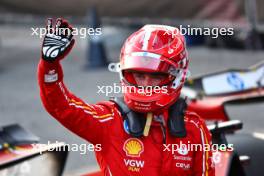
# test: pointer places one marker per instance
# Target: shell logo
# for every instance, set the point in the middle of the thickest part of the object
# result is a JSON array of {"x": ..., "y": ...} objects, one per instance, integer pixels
[{"x": 133, "y": 147}]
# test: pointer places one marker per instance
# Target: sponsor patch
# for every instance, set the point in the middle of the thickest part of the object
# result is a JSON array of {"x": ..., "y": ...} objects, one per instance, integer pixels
[
  {"x": 134, "y": 165},
  {"x": 183, "y": 150},
  {"x": 133, "y": 147},
  {"x": 126, "y": 128},
  {"x": 184, "y": 166}
]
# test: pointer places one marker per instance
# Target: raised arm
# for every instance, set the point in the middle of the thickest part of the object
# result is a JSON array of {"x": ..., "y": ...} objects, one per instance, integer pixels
[{"x": 88, "y": 121}]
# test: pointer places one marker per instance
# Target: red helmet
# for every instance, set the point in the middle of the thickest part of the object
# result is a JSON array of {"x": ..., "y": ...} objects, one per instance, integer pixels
[{"x": 154, "y": 49}]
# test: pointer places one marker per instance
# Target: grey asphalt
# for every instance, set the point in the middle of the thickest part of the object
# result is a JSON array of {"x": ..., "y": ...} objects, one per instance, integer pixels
[{"x": 19, "y": 94}]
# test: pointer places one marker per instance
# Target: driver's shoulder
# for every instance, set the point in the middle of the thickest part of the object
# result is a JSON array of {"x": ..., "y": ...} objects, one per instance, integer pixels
[{"x": 194, "y": 120}]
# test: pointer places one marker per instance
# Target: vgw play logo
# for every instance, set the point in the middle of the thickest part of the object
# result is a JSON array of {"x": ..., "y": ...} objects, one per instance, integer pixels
[
  {"x": 134, "y": 165},
  {"x": 133, "y": 148}
]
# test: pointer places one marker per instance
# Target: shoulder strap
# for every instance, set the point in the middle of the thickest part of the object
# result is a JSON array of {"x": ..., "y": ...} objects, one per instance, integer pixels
[
  {"x": 134, "y": 120},
  {"x": 176, "y": 118}
]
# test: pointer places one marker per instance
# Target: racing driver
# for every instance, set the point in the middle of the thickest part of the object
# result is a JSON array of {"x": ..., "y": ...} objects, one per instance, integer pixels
[{"x": 139, "y": 133}]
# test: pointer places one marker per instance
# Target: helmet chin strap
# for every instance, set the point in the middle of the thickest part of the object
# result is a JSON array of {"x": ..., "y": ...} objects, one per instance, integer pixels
[{"x": 148, "y": 124}]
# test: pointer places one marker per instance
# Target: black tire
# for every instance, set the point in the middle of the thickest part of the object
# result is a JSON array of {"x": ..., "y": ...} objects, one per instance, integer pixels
[{"x": 247, "y": 144}]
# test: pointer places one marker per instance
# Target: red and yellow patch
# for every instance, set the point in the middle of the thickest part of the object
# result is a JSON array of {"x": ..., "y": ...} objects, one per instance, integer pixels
[{"x": 133, "y": 147}]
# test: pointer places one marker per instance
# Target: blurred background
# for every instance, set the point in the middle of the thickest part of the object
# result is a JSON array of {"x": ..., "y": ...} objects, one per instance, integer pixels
[{"x": 86, "y": 66}]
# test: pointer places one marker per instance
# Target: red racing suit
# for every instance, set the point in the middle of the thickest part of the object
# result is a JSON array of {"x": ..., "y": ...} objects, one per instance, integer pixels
[{"x": 121, "y": 154}]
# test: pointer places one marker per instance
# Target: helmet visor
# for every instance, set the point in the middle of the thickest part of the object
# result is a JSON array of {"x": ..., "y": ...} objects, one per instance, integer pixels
[
  {"x": 140, "y": 78},
  {"x": 144, "y": 61},
  {"x": 148, "y": 69}
]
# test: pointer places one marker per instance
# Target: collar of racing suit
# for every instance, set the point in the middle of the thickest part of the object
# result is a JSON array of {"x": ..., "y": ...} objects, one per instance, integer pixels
[{"x": 173, "y": 118}]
